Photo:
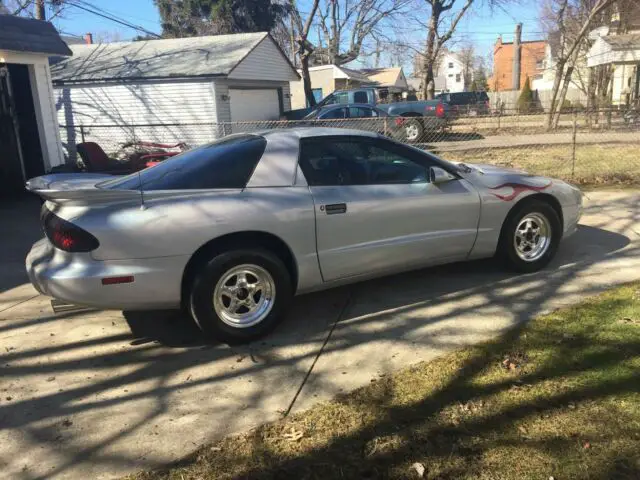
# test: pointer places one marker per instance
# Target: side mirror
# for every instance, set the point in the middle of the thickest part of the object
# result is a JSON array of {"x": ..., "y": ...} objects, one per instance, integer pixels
[{"x": 439, "y": 175}]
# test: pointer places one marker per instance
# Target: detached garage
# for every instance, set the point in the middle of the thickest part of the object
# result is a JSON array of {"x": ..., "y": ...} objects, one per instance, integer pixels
[{"x": 172, "y": 90}]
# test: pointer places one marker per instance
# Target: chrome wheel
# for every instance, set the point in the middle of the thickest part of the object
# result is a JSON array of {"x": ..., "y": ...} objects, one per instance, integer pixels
[
  {"x": 244, "y": 296},
  {"x": 532, "y": 237},
  {"x": 412, "y": 132}
]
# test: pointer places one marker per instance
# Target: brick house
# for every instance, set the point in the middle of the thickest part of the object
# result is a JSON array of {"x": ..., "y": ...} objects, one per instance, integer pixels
[{"x": 531, "y": 63}]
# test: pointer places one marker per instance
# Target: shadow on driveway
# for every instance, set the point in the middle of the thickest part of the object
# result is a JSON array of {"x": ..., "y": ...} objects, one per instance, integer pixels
[{"x": 92, "y": 395}]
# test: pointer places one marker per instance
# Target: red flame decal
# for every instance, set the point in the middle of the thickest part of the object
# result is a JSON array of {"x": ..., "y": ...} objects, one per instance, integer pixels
[{"x": 517, "y": 188}]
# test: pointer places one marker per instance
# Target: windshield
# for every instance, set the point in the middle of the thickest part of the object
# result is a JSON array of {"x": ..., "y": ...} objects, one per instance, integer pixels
[{"x": 226, "y": 163}]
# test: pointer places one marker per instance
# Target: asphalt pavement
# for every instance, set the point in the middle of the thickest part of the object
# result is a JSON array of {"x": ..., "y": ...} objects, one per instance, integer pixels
[{"x": 99, "y": 394}]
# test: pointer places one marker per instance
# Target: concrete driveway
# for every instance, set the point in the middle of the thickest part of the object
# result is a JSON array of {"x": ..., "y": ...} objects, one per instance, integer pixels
[{"x": 101, "y": 394}]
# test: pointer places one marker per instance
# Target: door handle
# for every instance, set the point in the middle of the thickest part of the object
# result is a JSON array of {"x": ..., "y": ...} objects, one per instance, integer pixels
[{"x": 335, "y": 208}]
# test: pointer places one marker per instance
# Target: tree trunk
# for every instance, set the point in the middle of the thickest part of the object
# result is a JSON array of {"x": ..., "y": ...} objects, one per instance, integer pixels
[
  {"x": 554, "y": 92},
  {"x": 565, "y": 87},
  {"x": 430, "y": 53},
  {"x": 306, "y": 78},
  {"x": 40, "y": 12},
  {"x": 591, "y": 96}
]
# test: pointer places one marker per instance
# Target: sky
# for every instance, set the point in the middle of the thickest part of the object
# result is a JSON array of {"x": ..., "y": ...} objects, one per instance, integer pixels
[{"x": 480, "y": 26}]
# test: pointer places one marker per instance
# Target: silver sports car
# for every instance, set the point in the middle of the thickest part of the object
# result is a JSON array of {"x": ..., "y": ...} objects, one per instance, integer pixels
[{"x": 233, "y": 229}]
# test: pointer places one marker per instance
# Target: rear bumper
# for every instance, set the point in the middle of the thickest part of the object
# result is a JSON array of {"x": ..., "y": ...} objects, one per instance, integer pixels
[{"x": 77, "y": 278}]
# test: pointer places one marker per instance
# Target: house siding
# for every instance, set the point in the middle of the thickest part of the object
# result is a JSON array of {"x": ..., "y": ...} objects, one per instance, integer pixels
[
  {"x": 321, "y": 78},
  {"x": 114, "y": 114},
  {"x": 264, "y": 62}
]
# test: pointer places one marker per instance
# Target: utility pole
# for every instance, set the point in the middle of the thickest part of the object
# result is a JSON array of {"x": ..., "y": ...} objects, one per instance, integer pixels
[
  {"x": 515, "y": 84},
  {"x": 40, "y": 13}
]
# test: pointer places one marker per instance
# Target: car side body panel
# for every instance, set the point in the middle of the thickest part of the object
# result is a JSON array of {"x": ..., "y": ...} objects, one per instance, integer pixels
[{"x": 152, "y": 235}]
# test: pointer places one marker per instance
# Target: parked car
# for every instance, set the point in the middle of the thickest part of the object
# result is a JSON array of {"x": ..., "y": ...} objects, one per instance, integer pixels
[
  {"x": 425, "y": 119},
  {"x": 361, "y": 96},
  {"x": 233, "y": 229},
  {"x": 358, "y": 116},
  {"x": 466, "y": 103}
]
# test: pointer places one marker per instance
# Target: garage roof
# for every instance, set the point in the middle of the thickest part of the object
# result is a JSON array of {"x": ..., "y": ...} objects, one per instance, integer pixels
[
  {"x": 27, "y": 35},
  {"x": 154, "y": 59}
]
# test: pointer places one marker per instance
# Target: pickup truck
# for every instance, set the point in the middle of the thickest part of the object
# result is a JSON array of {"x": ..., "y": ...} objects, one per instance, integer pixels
[{"x": 424, "y": 117}]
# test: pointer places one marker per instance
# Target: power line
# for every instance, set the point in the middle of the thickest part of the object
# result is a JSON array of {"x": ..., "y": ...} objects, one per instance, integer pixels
[{"x": 112, "y": 18}]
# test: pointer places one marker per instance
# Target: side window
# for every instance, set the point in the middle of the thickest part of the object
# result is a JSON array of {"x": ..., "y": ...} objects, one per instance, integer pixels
[
  {"x": 334, "y": 114},
  {"x": 360, "y": 97},
  {"x": 356, "y": 161},
  {"x": 342, "y": 97},
  {"x": 360, "y": 112}
]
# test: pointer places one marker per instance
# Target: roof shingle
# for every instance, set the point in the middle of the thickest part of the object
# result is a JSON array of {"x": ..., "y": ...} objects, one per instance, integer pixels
[
  {"x": 166, "y": 58},
  {"x": 19, "y": 34}
]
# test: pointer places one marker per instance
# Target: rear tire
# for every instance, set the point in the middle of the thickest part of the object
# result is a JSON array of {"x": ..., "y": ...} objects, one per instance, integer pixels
[
  {"x": 530, "y": 237},
  {"x": 240, "y": 295},
  {"x": 413, "y": 130}
]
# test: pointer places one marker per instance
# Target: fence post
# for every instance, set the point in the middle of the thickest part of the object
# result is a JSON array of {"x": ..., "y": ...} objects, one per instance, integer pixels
[
  {"x": 82, "y": 133},
  {"x": 573, "y": 143},
  {"x": 499, "y": 115}
]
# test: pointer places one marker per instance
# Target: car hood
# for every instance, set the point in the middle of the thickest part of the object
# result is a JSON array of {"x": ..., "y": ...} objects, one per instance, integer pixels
[{"x": 492, "y": 177}]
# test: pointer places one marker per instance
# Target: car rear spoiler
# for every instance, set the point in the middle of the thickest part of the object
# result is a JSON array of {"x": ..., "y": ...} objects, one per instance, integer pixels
[{"x": 78, "y": 189}]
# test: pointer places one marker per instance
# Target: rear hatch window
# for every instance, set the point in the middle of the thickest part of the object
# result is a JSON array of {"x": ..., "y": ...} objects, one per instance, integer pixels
[{"x": 227, "y": 163}]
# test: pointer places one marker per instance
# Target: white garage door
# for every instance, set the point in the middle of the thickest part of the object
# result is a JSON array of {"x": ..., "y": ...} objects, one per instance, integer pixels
[{"x": 253, "y": 105}]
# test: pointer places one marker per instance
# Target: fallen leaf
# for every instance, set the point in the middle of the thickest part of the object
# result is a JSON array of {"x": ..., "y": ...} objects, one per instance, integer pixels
[
  {"x": 294, "y": 435},
  {"x": 419, "y": 468}
]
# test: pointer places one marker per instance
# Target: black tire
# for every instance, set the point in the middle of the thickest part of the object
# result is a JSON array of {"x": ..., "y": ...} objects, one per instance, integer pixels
[
  {"x": 202, "y": 290},
  {"x": 416, "y": 128},
  {"x": 507, "y": 248}
]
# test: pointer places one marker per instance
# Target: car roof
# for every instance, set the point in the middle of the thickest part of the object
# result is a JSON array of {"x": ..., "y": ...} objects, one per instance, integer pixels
[{"x": 306, "y": 132}]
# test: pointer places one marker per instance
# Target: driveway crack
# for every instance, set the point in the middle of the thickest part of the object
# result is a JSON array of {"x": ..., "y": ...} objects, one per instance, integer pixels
[{"x": 343, "y": 310}]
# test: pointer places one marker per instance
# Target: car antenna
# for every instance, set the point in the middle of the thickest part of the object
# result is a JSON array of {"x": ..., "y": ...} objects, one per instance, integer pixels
[{"x": 142, "y": 205}]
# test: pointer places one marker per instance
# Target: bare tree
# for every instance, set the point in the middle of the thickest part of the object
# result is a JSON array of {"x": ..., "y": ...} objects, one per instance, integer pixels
[
  {"x": 37, "y": 9},
  {"x": 346, "y": 24},
  {"x": 571, "y": 40},
  {"x": 467, "y": 55},
  {"x": 304, "y": 48},
  {"x": 436, "y": 39}
]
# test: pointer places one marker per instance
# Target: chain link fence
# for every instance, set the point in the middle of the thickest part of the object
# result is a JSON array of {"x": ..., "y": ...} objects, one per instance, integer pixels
[{"x": 587, "y": 148}]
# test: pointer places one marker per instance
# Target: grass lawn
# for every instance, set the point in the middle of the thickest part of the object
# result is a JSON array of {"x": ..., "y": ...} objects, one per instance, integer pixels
[
  {"x": 607, "y": 164},
  {"x": 558, "y": 397}
]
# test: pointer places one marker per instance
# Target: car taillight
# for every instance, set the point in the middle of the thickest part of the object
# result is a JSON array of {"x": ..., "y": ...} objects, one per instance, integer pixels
[
  {"x": 399, "y": 121},
  {"x": 440, "y": 110},
  {"x": 67, "y": 236}
]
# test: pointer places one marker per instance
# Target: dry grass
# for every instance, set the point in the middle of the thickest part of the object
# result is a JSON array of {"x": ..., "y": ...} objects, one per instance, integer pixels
[
  {"x": 610, "y": 164},
  {"x": 558, "y": 397}
]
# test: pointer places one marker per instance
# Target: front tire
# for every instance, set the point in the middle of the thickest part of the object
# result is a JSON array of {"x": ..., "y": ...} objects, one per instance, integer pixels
[
  {"x": 240, "y": 295},
  {"x": 530, "y": 237}
]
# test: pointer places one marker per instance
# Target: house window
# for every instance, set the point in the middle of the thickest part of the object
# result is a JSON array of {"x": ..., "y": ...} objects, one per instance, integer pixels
[
  {"x": 451, "y": 75},
  {"x": 540, "y": 64},
  {"x": 450, "y": 64},
  {"x": 457, "y": 77}
]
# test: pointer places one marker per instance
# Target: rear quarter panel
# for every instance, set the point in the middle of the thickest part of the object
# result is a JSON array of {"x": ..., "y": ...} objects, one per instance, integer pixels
[{"x": 178, "y": 225}]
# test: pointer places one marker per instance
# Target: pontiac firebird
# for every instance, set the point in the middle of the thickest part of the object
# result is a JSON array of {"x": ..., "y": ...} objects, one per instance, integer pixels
[{"x": 232, "y": 230}]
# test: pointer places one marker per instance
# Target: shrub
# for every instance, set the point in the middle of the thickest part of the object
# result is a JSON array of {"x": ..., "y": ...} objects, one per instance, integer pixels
[
  {"x": 566, "y": 105},
  {"x": 525, "y": 100}
]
